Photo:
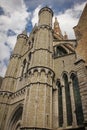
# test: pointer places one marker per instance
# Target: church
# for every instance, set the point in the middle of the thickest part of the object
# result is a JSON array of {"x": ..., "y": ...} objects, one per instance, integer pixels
[{"x": 45, "y": 85}]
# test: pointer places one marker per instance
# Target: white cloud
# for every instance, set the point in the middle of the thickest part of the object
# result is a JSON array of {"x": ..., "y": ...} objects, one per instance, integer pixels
[
  {"x": 3, "y": 68},
  {"x": 67, "y": 22},
  {"x": 15, "y": 18},
  {"x": 34, "y": 19},
  {"x": 69, "y": 19},
  {"x": 4, "y": 55}
]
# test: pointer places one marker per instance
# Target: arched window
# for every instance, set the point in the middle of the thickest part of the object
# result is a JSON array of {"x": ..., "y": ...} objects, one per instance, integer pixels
[
  {"x": 68, "y": 100},
  {"x": 60, "y": 51},
  {"x": 24, "y": 65},
  {"x": 60, "y": 104},
  {"x": 78, "y": 104},
  {"x": 29, "y": 58},
  {"x": 15, "y": 120},
  {"x": 32, "y": 40},
  {"x": 24, "y": 62},
  {"x": 29, "y": 43}
]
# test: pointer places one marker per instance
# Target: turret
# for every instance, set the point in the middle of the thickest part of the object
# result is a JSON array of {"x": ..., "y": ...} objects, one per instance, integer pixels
[
  {"x": 43, "y": 39},
  {"x": 9, "y": 82},
  {"x": 45, "y": 16},
  {"x": 21, "y": 40},
  {"x": 57, "y": 30},
  {"x": 38, "y": 103},
  {"x": 65, "y": 37},
  {"x": 11, "y": 73}
]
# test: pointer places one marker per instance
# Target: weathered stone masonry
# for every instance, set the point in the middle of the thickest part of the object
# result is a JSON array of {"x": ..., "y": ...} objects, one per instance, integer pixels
[{"x": 45, "y": 86}]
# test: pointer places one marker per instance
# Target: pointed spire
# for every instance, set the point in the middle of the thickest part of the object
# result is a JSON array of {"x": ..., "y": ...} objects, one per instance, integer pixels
[
  {"x": 57, "y": 29},
  {"x": 56, "y": 21},
  {"x": 56, "y": 24},
  {"x": 65, "y": 36}
]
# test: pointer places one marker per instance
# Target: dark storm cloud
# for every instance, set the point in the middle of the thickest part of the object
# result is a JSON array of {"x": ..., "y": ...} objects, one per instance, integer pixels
[{"x": 1, "y": 11}]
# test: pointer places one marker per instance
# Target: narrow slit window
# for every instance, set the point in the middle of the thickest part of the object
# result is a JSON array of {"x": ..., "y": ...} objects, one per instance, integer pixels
[
  {"x": 60, "y": 104},
  {"x": 68, "y": 100}
]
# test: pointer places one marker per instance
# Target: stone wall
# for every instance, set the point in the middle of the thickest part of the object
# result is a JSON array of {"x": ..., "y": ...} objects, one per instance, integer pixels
[{"x": 81, "y": 35}]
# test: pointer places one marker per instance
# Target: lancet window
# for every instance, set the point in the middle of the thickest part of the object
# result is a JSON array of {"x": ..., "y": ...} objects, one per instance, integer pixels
[
  {"x": 68, "y": 100},
  {"x": 77, "y": 97},
  {"x": 60, "y": 104}
]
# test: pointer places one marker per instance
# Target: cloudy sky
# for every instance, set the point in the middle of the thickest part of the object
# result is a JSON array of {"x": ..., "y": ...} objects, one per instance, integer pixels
[{"x": 18, "y": 15}]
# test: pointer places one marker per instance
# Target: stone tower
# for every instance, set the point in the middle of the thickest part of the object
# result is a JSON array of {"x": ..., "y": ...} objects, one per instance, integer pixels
[
  {"x": 81, "y": 35},
  {"x": 45, "y": 86},
  {"x": 38, "y": 106},
  {"x": 9, "y": 85},
  {"x": 37, "y": 110}
]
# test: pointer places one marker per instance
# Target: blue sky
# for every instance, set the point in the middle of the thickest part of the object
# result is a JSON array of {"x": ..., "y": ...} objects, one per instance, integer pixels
[{"x": 18, "y": 15}]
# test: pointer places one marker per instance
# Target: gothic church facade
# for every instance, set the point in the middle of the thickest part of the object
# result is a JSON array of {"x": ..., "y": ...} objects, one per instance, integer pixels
[{"x": 45, "y": 86}]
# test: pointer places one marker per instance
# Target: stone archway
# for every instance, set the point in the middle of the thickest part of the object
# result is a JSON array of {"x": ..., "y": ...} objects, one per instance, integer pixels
[
  {"x": 18, "y": 125},
  {"x": 15, "y": 120}
]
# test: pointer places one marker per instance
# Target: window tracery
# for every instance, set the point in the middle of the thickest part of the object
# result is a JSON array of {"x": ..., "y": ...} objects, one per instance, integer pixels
[
  {"x": 68, "y": 100},
  {"x": 59, "y": 51},
  {"x": 78, "y": 104}
]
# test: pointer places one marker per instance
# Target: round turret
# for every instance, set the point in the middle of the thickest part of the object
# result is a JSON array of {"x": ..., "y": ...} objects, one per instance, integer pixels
[
  {"x": 45, "y": 16},
  {"x": 23, "y": 35}
]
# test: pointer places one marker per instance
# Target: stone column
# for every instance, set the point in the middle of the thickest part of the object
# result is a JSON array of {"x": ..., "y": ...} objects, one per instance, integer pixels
[
  {"x": 74, "y": 123},
  {"x": 64, "y": 107},
  {"x": 55, "y": 109}
]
